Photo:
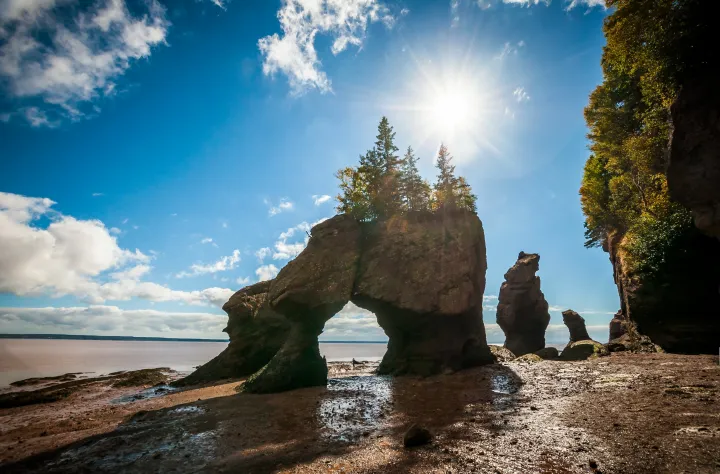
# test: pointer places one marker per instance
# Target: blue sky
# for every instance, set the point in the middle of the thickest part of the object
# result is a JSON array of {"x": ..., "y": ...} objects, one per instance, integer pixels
[{"x": 158, "y": 156}]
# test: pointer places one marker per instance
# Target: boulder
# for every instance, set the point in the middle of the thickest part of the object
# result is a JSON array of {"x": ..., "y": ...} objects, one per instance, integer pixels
[
  {"x": 522, "y": 311},
  {"x": 529, "y": 358},
  {"x": 502, "y": 354},
  {"x": 423, "y": 276},
  {"x": 633, "y": 343},
  {"x": 576, "y": 325},
  {"x": 416, "y": 436},
  {"x": 548, "y": 353},
  {"x": 256, "y": 334},
  {"x": 582, "y": 350}
]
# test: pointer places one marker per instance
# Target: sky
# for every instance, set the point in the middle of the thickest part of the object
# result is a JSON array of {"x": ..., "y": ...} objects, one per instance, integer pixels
[{"x": 158, "y": 156}]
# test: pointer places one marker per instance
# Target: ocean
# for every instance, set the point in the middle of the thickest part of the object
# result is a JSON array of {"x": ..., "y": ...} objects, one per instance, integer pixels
[{"x": 25, "y": 358}]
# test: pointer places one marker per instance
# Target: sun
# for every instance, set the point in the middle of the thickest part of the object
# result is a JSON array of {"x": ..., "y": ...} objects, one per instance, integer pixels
[{"x": 451, "y": 111}]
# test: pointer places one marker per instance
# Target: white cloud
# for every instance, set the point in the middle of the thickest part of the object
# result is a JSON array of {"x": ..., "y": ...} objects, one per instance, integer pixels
[
  {"x": 521, "y": 94},
  {"x": 266, "y": 272},
  {"x": 225, "y": 263},
  {"x": 510, "y": 49},
  {"x": 208, "y": 240},
  {"x": 115, "y": 231},
  {"x": 320, "y": 199},
  {"x": 353, "y": 323},
  {"x": 263, "y": 253},
  {"x": 243, "y": 280},
  {"x": 112, "y": 320},
  {"x": 283, "y": 206},
  {"x": 293, "y": 51},
  {"x": 219, "y": 3},
  {"x": 285, "y": 250},
  {"x": 71, "y": 257},
  {"x": 98, "y": 194},
  {"x": 78, "y": 59},
  {"x": 528, "y": 3}
]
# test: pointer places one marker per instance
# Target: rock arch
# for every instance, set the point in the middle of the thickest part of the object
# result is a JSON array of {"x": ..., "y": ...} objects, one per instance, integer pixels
[{"x": 422, "y": 275}]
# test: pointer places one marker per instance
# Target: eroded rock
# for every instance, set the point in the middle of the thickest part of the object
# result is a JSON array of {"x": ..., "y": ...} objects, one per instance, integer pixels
[
  {"x": 548, "y": 353},
  {"x": 522, "y": 311},
  {"x": 502, "y": 354},
  {"x": 576, "y": 325},
  {"x": 256, "y": 334},
  {"x": 617, "y": 326},
  {"x": 423, "y": 276}
]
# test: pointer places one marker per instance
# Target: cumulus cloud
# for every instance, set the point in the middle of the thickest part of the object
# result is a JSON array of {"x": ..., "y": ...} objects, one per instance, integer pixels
[
  {"x": 293, "y": 53},
  {"x": 209, "y": 241},
  {"x": 285, "y": 250},
  {"x": 283, "y": 206},
  {"x": 68, "y": 53},
  {"x": 263, "y": 253},
  {"x": 320, "y": 199},
  {"x": 353, "y": 323},
  {"x": 226, "y": 263},
  {"x": 266, "y": 272},
  {"x": 75, "y": 257},
  {"x": 243, "y": 280},
  {"x": 521, "y": 94},
  {"x": 98, "y": 319}
]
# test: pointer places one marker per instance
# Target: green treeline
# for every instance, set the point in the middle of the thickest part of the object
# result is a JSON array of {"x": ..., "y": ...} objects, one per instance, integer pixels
[
  {"x": 652, "y": 47},
  {"x": 385, "y": 184}
]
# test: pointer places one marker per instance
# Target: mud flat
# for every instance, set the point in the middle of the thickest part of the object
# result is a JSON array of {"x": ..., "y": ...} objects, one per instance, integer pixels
[{"x": 627, "y": 413}]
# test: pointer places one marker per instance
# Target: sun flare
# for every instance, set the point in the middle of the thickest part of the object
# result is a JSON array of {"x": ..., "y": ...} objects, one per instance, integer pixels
[{"x": 451, "y": 110}]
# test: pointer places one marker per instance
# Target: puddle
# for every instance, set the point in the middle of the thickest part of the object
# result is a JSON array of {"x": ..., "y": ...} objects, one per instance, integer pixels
[
  {"x": 355, "y": 405},
  {"x": 152, "y": 392},
  {"x": 502, "y": 384}
]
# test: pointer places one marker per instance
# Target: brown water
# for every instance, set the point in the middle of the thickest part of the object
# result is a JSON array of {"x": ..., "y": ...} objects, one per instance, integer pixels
[{"x": 25, "y": 358}]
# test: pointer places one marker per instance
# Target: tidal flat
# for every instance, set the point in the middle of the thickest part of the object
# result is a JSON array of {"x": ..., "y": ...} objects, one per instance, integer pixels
[{"x": 626, "y": 413}]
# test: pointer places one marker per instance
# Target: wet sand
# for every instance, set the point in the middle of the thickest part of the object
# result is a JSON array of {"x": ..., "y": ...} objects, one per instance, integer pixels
[{"x": 627, "y": 413}]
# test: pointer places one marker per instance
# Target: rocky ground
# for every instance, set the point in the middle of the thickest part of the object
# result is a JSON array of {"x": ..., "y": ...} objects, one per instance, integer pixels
[{"x": 626, "y": 413}]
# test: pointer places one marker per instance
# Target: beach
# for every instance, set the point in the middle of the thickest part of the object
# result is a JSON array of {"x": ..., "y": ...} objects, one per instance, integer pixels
[{"x": 625, "y": 413}]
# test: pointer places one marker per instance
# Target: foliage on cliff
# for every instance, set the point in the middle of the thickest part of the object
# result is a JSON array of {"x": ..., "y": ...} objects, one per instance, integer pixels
[
  {"x": 385, "y": 184},
  {"x": 652, "y": 46}
]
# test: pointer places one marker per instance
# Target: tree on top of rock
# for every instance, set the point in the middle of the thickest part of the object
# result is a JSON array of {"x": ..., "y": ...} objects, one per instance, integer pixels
[
  {"x": 384, "y": 184},
  {"x": 414, "y": 190}
]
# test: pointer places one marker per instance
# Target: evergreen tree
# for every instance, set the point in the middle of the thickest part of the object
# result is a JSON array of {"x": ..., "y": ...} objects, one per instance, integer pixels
[
  {"x": 446, "y": 182},
  {"x": 466, "y": 199},
  {"x": 388, "y": 200},
  {"x": 414, "y": 191},
  {"x": 353, "y": 198}
]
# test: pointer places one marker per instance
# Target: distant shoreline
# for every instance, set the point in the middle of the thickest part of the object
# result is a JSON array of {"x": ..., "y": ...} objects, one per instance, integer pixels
[{"x": 81, "y": 337}]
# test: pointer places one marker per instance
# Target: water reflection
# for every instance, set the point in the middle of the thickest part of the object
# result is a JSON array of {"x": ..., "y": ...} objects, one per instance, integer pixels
[{"x": 354, "y": 406}]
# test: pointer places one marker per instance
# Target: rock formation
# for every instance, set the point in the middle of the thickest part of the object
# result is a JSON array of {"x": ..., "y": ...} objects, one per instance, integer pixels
[
  {"x": 256, "y": 334},
  {"x": 582, "y": 350},
  {"x": 423, "y": 275},
  {"x": 576, "y": 325},
  {"x": 678, "y": 309},
  {"x": 522, "y": 311},
  {"x": 694, "y": 169},
  {"x": 617, "y": 326}
]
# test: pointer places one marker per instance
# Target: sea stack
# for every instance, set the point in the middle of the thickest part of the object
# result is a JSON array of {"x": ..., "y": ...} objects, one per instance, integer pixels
[
  {"x": 576, "y": 325},
  {"x": 522, "y": 311}
]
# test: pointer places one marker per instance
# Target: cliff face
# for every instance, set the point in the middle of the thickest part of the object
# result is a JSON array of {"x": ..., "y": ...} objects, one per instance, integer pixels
[
  {"x": 423, "y": 275},
  {"x": 679, "y": 308},
  {"x": 694, "y": 169},
  {"x": 522, "y": 311},
  {"x": 256, "y": 334}
]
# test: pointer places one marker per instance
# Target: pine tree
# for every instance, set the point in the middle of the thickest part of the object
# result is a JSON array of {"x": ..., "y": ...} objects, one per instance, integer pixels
[
  {"x": 389, "y": 200},
  {"x": 445, "y": 196},
  {"x": 414, "y": 191},
  {"x": 466, "y": 199}
]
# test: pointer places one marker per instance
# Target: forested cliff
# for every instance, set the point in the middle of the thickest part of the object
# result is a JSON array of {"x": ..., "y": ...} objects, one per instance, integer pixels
[{"x": 666, "y": 269}]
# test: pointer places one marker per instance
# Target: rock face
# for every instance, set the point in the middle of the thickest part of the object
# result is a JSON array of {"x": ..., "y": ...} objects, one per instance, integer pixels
[
  {"x": 679, "y": 310},
  {"x": 576, "y": 325},
  {"x": 694, "y": 169},
  {"x": 423, "y": 275},
  {"x": 582, "y": 350},
  {"x": 617, "y": 326},
  {"x": 256, "y": 334},
  {"x": 522, "y": 311}
]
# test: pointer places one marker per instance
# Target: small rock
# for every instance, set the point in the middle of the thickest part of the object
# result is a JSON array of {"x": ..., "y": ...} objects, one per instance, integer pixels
[
  {"x": 593, "y": 464},
  {"x": 416, "y": 436}
]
